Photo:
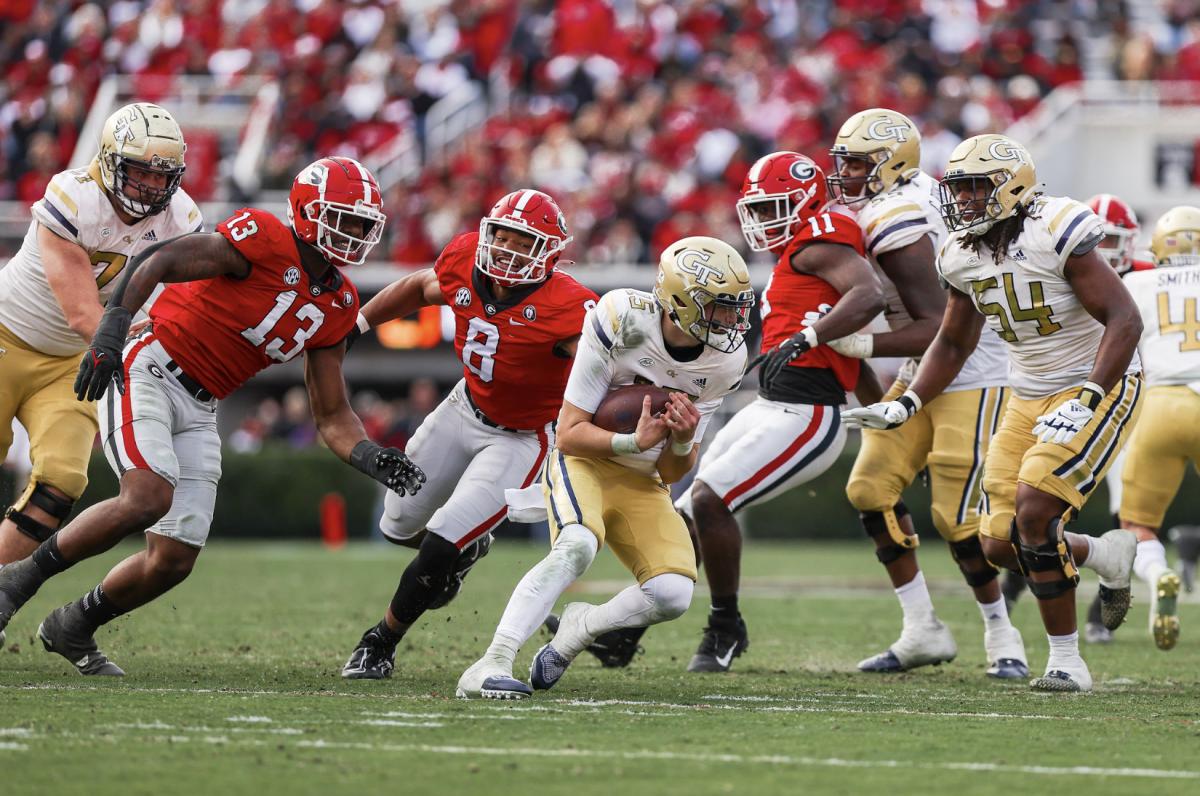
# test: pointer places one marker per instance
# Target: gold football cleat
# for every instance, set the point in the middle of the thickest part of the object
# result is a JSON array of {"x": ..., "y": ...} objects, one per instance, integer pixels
[{"x": 1164, "y": 623}]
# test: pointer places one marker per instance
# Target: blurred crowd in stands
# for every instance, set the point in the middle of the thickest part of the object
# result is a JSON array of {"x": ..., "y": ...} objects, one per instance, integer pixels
[
  {"x": 288, "y": 421},
  {"x": 640, "y": 116}
]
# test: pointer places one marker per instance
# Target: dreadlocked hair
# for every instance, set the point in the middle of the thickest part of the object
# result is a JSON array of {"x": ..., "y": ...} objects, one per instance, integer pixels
[{"x": 1001, "y": 235}]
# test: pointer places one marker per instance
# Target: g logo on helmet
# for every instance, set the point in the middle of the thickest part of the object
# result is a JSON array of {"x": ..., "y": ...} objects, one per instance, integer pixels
[
  {"x": 885, "y": 130},
  {"x": 802, "y": 170},
  {"x": 316, "y": 174},
  {"x": 562, "y": 224},
  {"x": 694, "y": 262},
  {"x": 1006, "y": 150}
]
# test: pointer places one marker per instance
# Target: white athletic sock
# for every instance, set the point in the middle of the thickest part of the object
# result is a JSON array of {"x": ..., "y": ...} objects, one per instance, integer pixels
[
  {"x": 1064, "y": 647},
  {"x": 915, "y": 602},
  {"x": 1091, "y": 543},
  {"x": 1150, "y": 561},
  {"x": 995, "y": 615},
  {"x": 535, "y": 595}
]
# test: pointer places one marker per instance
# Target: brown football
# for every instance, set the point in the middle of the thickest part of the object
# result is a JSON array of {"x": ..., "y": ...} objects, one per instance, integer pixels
[{"x": 621, "y": 408}]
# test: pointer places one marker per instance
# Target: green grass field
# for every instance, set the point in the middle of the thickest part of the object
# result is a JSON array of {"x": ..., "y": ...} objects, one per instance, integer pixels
[{"x": 233, "y": 688}]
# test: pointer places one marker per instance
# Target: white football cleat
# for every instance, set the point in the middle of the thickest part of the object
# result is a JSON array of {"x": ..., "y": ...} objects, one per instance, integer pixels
[
  {"x": 1112, "y": 559},
  {"x": 488, "y": 678},
  {"x": 926, "y": 644},
  {"x": 1064, "y": 675},
  {"x": 1005, "y": 654}
]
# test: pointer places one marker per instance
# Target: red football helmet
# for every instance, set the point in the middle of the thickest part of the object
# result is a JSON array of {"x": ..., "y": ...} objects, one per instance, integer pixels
[
  {"x": 336, "y": 206},
  {"x": 781, "y": 189},
  {"x": 1120, "y": 230},
  {"x": 522, "y": 218}
]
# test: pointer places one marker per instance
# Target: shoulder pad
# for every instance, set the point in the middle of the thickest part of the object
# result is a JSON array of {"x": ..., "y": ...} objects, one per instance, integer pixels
[
  {"x": 827, "y": 226},
  {"x": 1068, "y": 223},
  {"x": 185, "y": 213},
  {"x": 259, "y": 236},
  {"x": 618, "y": 313},
  {"x": 69, "y": 197},
  {"x": 459, "y": 250}
]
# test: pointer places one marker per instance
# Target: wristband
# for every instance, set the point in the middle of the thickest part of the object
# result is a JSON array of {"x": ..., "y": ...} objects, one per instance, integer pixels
[
  {"x": 911, "y": 401},
  {"x": 362, "y": 457},
  {"x": 681, "y": 448},
  {"x": 363, "y": 324},
  {"x": 1091, "y": 394},
  {"x": 810, "y": 336},
  {"x": 625, "y": 444}
]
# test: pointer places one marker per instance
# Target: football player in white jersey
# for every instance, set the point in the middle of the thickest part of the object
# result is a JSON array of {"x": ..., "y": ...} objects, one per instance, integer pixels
[
  {"x": 88, "y": 226},
  {"x": 1026, "y": 265},
  {"x": 1168, "y": 436},
  {"x": 602, "y": 487},
  {"x": 877, "y": 153}
]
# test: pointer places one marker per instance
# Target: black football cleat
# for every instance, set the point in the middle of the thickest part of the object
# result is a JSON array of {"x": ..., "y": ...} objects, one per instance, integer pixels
[
  {"x": 467, "y": 559},
  {"x": 373, "y": 659},
  {"x": 65, "y": 632},
  {"x": 19, "y": 581},
  {"x": 615, "y": 649},
  {"x": 722, "y": 642}
]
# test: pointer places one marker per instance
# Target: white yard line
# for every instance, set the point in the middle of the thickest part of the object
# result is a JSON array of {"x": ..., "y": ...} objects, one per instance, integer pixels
[{"x": 13, "y": 746}]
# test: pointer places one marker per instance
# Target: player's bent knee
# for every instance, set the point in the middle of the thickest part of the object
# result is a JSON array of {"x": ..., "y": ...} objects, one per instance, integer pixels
[
  {"x": 998, "y": 553},
  {"x": 891, "y": 542},
  {"x": 47, "y": 499},
  {"x": 436, "y": 555},
  {"x": 171, "y": 560},
  {"x": 671, "y": 595},
  {"x": 1052, "y": 555},
  {"x": 968, "y": 554},
  {"x": 866, "y": 495},
  {"x": 576, "y": 547},
  {"x": 706, "y": 505}
]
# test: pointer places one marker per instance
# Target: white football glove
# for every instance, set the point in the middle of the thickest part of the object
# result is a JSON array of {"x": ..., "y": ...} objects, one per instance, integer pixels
[
  {"x": 855, "y": 346},
  {"x": 1061, "y": 425},
  {"x": 888, "y": 414}
]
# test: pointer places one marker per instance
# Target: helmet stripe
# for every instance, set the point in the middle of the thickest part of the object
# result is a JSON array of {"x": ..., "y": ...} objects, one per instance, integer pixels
[
  {"x": 526, "y": 195},
  {"x": 366, "y": 180},
  {"x": 757, "y": 169}
]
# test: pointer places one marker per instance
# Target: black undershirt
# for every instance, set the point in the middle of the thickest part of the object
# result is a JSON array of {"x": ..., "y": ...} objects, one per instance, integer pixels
[
  {"x": 686, "y": 354},
  {"x": 796, "y": 385}
]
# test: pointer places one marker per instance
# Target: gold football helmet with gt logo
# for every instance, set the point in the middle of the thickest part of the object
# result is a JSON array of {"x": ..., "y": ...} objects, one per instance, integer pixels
[
  {"x": 987, "y": 179},
  {"x": 146, "y": 137},
  {"x": 1176, "y": 239},
  {"x": 704, "y": 288},
  {"x": 887, "y": 141}
]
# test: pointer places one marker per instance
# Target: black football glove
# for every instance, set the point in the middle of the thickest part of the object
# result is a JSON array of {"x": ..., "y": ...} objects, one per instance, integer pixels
[
  {"x": 779, "y": 358},
  {"x": 101, "y": 364},
  {"x": 389, "y": 466}
]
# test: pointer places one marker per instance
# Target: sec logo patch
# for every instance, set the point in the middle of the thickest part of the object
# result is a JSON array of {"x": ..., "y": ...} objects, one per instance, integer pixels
[
  {"x": 462, "y": 297},
  {"x": 291, "y": 276}
]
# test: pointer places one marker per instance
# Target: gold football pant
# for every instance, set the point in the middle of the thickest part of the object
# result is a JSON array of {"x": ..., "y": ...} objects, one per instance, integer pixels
[
  {"x": 1166, "y": 440},
  {"x": 630, "y": 512},
  {"x": 1071, "y": 471},
  {"x": 38, "y": 390},
  {"x": 950, "y": 435}
]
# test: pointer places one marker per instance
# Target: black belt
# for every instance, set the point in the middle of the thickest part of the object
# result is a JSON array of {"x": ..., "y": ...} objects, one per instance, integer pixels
[
  {"x": 194, "y": 388},
  {"x": 482, "y": 418}
]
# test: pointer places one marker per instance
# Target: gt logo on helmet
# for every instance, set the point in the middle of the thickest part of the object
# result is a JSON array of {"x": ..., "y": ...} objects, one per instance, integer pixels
[
  {"x": 1006, "y": 150},
  {"x": 802, "y": 171},
  {"x": 885, "y": 130},
  {"x": 694, "y": 262}
]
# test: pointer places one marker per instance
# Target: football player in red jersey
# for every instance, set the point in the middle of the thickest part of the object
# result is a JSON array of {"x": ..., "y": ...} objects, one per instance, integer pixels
[
  {"x": 517, "y": 323},
  {"x": 251, "y": 294},
  {"x": 791, "y": 432}
]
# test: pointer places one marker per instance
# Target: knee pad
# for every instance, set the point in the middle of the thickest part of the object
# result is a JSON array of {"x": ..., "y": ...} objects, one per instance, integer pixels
[
  {"x": 670, "y": 594},
  {"x": 38, "y": 495},
  {"x": 576, "y": 547},
  {"x": 891, "y": 542},
  {"x": 1051, "y": 556},
  {"x": 436, "y": 556},
  {"x": 969, "y": 553}
]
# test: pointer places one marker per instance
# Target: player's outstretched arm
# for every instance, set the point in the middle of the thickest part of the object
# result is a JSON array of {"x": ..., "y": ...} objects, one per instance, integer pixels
[
  {"x": 1105, "y": 297},
  {"x": 69, "y": 272},
  {"x": 852, "y": 277},
  {"x": 404, "y": 297},
  {"x": 955, "y": 340},
  {"x": 187, "y": 258},
  {"x": 342, "y": 430}
]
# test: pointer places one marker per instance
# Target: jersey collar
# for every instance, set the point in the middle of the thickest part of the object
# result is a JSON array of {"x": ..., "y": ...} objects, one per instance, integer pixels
[
  {"x": 483, "y": 287},
  {"x": 321, "y": 273}
]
